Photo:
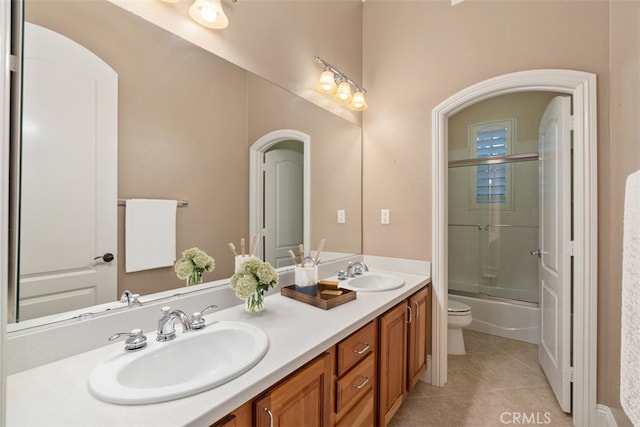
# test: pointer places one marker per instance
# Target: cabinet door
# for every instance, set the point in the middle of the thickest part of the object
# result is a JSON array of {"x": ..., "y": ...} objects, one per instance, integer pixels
[
  {"x": 361, "y": 415},
  {"x": 303, "y": 399},
  {"x": 392, "y": 367},
  {"x": 417, "y": 345}
]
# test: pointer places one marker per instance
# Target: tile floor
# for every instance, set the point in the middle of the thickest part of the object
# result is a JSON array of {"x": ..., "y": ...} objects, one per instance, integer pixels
[{"x": 497, "y": 383}]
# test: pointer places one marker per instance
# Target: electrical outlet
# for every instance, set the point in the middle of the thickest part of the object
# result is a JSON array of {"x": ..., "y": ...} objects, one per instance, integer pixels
[
  {"x": 384, "y": 216},
  {"x": 342, "y": 217}
]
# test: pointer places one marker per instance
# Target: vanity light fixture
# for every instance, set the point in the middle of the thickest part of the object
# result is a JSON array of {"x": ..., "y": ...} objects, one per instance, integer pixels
[
  {"x": 327, "y": 82},
  {"x": 343, "y": 93},
  {"x": 335, "y": 82}
]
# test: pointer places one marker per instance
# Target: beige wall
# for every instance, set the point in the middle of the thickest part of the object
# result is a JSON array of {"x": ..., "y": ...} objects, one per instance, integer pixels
[
  {"x": 276, "y": 39},
  {"x": 624, "y": 158},
  {"x": 416, "y": 54}
]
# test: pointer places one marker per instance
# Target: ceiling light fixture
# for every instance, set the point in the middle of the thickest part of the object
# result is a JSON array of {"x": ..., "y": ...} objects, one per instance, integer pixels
[
  {"x": 335, "y": 82},
  {"x": 209, "y": 13}
]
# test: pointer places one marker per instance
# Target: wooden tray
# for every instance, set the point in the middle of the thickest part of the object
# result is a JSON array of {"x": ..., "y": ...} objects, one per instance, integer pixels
[{"x": 319, "y": 300}]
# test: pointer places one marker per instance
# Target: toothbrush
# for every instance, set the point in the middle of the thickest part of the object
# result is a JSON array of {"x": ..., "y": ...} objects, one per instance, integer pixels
[
  {"x": 293, "y": 257},
  {"x": 254, "y": 244},
  {"x": 242, "y": 245},
  {"x": 318, "y": 252},
  {"x": 301, "y": 250},
  {"x": 233, "y": 248}
]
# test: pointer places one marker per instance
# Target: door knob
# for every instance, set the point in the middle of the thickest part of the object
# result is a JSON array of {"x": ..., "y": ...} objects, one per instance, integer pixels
[
  {"x": 538, "y": 252},
  {"x": 108, "y": 257}
]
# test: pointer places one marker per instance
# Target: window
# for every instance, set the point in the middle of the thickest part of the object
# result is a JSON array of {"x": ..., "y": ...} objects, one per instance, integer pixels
[{"x": 491, "y": 184}]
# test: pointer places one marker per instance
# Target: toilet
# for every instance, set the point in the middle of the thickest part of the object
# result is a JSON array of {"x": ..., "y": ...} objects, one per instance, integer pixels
[{"x": 459, "y": 316}]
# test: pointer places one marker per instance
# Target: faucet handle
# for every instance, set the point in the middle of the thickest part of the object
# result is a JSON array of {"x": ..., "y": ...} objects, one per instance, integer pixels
[
  {"x": 197, "y": 322},
  {"x": 342, "y": 275},
  {"x": 135, "y": 339},
  {"x": 131, "y": 299}
]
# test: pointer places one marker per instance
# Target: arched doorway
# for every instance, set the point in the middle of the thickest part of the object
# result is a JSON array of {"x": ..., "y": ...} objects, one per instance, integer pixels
[
  {"x": 582, "y": 88},
  {"x": 262, "y": 211}
]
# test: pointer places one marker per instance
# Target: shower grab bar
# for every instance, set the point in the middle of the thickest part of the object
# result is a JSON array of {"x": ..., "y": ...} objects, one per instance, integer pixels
[{"x": 494, "y": 160}]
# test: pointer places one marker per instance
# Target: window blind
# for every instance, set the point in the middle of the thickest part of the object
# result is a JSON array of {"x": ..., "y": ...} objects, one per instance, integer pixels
[{"x": 491, "y": 180}]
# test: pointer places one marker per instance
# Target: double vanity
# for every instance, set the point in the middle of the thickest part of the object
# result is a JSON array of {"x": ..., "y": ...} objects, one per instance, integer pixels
[{"x": 241, "y": 362}]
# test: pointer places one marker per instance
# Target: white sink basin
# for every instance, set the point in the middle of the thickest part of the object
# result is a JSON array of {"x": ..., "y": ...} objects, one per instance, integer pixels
[
  {"x": 192, "y": 362},
  {"x": 374, "y": 282}
]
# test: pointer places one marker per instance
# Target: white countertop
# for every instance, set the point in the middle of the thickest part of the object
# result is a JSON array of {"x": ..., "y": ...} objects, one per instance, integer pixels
[{"x": 56, "y": 394}]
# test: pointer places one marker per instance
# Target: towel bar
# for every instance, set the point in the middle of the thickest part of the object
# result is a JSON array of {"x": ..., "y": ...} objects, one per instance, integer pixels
[{"x": 181, "y": 203}]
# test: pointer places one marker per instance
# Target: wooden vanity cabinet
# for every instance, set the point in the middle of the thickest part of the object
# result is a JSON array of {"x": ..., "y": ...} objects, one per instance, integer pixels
[
  {"x": 355, "y": 378},
  {"x": 392, "y": 367},
  {"x": 302, "y": 399},
  {"x": 419, "y": 325},
  {"x": 405, "y": 331},
  {"x": 360, "y": 382}
]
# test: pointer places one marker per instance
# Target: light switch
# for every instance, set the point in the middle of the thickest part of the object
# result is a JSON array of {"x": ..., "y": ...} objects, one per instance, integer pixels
[
  {"x": 342, "y": 217},
  {"x": 384, "y": 216}
]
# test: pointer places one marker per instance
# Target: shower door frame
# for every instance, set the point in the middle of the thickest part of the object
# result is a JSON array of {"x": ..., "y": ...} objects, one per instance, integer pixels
[{"x": 581, "y": 86}]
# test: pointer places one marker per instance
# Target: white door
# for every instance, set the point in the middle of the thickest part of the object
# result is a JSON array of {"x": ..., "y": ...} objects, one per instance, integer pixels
[
  {"x": 554, "y": 352},
  {"x": 69, "y": 176},
  {"x": 283, "y": 204}
]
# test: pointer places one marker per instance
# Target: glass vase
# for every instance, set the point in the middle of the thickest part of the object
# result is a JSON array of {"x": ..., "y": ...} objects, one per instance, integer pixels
[
  {"x": 194, "y": 278},
  {"x": 255, "y": 302}
]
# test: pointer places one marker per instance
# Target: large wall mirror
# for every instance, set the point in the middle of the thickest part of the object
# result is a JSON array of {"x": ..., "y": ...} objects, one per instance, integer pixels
[{"x": 186, "y": 120}]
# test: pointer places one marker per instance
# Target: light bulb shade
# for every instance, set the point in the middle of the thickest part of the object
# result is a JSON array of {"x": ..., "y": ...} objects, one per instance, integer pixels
[
  {"x": 326, "y": 83},
  {"x": 209, "y": 13},
  {"x": 343, "y": 94},
  {"x": 358, "y": 103}
]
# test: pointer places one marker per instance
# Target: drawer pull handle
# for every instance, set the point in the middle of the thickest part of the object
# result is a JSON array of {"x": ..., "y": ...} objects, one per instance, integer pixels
[
  {"x": 417, "y": 308},
  {"x": 359, "y": 386},
  {"x": 365, "y": 348},
  {"x": 270, "y": 416},
  {"x": 410, "y": 314}
]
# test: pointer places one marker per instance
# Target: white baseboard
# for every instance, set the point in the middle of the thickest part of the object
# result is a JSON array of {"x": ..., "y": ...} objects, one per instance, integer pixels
[{"x": 605, "y": 417}]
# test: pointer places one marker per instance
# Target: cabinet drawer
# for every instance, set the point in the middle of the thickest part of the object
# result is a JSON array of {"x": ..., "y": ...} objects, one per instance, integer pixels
[
  {"x": 354, "y": 385},
  {"x": 356, "y": 347},
  {"x": 361, "y": 415}
]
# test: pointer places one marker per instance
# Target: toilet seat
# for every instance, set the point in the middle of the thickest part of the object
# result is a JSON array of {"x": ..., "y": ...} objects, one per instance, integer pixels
[{"x": 456, "y": 308}]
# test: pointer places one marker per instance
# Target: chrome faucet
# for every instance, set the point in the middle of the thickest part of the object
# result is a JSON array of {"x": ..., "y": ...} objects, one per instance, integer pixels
[
  {"x": 167, "y": 323},
  {"x": 356, "y": 268},
  {"x": 130, "y": 298}
]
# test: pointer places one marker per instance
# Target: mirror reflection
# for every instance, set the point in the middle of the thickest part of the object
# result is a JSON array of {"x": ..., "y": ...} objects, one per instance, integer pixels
[{"x": 170, "y": 121}]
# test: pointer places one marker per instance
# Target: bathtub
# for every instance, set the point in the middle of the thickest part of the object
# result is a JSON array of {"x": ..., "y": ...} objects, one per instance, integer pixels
[{"x": 515, "y": 320}]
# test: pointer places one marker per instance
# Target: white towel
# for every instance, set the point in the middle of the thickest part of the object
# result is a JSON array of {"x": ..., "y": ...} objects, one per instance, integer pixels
[
  {"x": 630, "y": 340},
  {"x": 150, "y": 234}
]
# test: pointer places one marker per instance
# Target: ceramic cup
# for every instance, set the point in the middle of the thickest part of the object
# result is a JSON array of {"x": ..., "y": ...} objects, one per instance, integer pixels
[
  {"x": 306, "y": 279},
  {"x": 241, "y": 259}
]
